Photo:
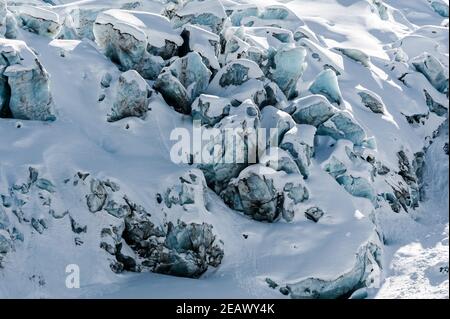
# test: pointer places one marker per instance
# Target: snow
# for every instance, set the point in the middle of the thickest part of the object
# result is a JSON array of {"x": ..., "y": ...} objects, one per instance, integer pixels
[
  {"x": 135, "y": 153},
  {"x": 39, "y": 13},
  {"x": 141, "y": 25}
]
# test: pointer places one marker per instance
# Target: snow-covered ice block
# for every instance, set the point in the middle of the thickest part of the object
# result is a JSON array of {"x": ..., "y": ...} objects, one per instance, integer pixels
[
  {"x": 277, "y": 123},
  {"x": 231, "y": 154},
  {"x": 207, "y": 13},
  {"x": 242, "y": 11},
  {"x": 343, "y": 126},
  {"x": 239, "y": 80},
  {"x": 299, "y": 142},
  {"x": 25, "y": 84},
  {"x": 260, "y": 193},
  {"x": 440, "y": 7},
  {"x": 313, "y": 110},
  {"x": 276, "y": 16},
  {"x": 205, "y": 43},
  {"x": 356, "y": 55},
  {"x": 38, "y": 20},
  {"x": 136, "y": 40},
  {"x": 210, "y": 109},
  {"x": 183, "y": 81},
  {"x": 288, "y": 65},
  {"x": 279, "y": 160},
  {"x": 433, "y": 70},
  {"x": 326, "y": 83},
  {"x": 132, "y": 97},
  {"x": 372, "y": 101}
]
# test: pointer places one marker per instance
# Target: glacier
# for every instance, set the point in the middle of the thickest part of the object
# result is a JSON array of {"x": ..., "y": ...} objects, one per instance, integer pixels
[{"x": 343, "y": 193}]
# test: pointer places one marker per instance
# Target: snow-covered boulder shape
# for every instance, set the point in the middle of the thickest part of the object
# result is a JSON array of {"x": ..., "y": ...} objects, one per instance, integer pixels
[
  {"x": 343, "y": 126},
  {"x": 205, "y": 43},
  {"x": 372, "y": 101},
  {"x": 313, "y": 110},
  {"x": 189, "y": 190},
  {"x": 136, "y": 40},
  {"x": 210, "y": 109},
  {"x": 299, "y": 142},
  {"x": 276, "y": 123},
  {"x": 183, "y": 81},
  {"x": 279, "y": 160},
  {"x": 239, "y": 80},
  {"x": 5, "y": 244},
  {"x": 326, "y": 83},
  {"x": 3, "y": 14},
  {"x": 356, "y": 55},
  {"x": 357, "y": 186},
  {"x": 242, "y": 11},
  {"x": 272, "y": 16},
  {"x": 8, "y": 23},
  {"x": 433, "y": 70},
  {"x": 286, "y": 68},
  {"x": 240, "y": 45},
  {"x": 206, "y": 13},
  {"x": 38, "y": 20},
  {"x": 185, "y": 250},
  {"x": 230, "y": 157},
  {"x": 24, "y": 85},
  {"x": 276, "y": 97},
  {"x": 440, "y": 7},
  {"x": 265, "y": 194},
  {"x": 132, "y": 97},
  {"x": 368, "y": 261}
]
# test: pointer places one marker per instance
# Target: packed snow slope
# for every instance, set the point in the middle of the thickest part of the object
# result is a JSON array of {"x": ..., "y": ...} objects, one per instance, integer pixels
[{"x": 94, "y": 95}]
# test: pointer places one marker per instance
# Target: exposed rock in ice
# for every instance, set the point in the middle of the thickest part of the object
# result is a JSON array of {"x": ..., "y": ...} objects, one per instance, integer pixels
[
  {"x": 210, "y": 109},
  {"x": 208, "y": 13},
  {"x": 38, "y": 20},
  {"x": 313, "y": 110},
  {"x": 326, "y": 83},
  {"x": 314, "y": 214},
  {"x": 343, "y": 126},
  {"x": 286, "y": 68},
  {"x": 433, "y": 70},
  {"x": 372, "y": 101},
  {"x": 132, "y": 97},
  {"x": 24, "y": 90},
  {"x": 299, "y": 142},
  {"x": 183, "y": 81}
]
